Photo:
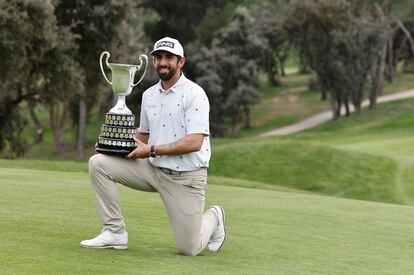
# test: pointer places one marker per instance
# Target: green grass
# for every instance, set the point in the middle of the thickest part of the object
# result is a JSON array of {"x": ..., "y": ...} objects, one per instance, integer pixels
[
  {"x": 46, "y": 213},
  {"x": 386, "y": 131},
  {"x": 39, "y": 164},
  {"x": 304, "y": 166}
]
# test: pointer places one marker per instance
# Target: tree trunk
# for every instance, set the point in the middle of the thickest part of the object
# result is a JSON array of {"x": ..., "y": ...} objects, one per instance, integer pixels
[
  {"x": 57, "y": 122},
  {"x": 303, "y": 64},
  {"x": 283, "y": 57},
  {"x": 59, "y": 140},
  {"x": 247, "y": 120},
  {"x": 407, "y": 34},
  {"x": 378, "y": 78},
  {"x": 399, "y": 51},
  {"x": 271, "y": 74},
  {"x": 81, "y": 130},
  {"x": 334, "y": 108},
  {"x": 338, "y": 107},
  {"x": 347, "y": 112},
  {"x": 282, "y": 66},
  {"x": 324, "y": 95},
  {"x": 390, "y": 60},
  {"x": 234, "y": 122},
  {"x": 39, "y": 127},
  {"x": 324, "y": 92}
]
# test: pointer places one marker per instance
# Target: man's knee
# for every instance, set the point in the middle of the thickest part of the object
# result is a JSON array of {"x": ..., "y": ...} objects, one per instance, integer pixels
[{"x": 96, "y": 162}]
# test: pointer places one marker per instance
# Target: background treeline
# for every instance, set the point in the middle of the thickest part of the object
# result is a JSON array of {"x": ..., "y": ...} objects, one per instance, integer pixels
[{"x": 49, "y": 54}]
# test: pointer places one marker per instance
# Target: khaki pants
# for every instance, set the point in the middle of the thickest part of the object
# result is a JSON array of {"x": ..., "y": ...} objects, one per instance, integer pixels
[{"x": 183, "y": 196}]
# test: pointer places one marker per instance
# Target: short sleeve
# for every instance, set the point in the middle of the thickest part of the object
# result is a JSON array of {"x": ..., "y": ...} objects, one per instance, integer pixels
[
  {"x": 197, "y": 114},
  {"x": 143, "y": 120}
]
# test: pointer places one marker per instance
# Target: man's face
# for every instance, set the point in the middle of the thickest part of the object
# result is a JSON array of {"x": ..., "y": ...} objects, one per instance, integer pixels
[{"x": 167, "y": 64}]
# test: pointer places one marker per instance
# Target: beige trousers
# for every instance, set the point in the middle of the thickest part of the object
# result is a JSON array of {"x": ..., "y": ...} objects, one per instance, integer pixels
[{"x": 183, "y": 196}]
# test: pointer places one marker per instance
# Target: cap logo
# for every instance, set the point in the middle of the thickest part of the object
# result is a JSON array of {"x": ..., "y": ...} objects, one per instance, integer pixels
[{"x": 165, "y": 44}]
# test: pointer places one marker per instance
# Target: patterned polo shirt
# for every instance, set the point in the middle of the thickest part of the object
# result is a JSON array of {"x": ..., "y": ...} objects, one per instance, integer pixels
[{"x": 171, "y": 115}]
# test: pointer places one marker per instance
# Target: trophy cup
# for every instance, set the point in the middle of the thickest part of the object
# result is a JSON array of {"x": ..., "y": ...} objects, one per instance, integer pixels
[{"x": 118, "y": 132}]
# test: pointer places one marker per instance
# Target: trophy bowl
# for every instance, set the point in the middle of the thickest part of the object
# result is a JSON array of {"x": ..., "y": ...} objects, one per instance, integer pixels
[{"x": 118, "y": 131}]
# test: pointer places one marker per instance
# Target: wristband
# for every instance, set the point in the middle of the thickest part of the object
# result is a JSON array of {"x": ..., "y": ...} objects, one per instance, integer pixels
[{"x": 152, "y": 152}]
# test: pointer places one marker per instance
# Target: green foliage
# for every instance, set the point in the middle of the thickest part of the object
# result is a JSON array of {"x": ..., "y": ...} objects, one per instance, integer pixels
[
  {"x": 96, "y": 25},
  {"x": 402, "y": 9},
  {"x": 270, "y": 26},
  {"x": 215, "y": 19},
  {"x": 36, "y": 64},
  {"x": 340, "y": 46},
  {"x": 227, "y": 69},
  {"x": 177, "y": 16}
]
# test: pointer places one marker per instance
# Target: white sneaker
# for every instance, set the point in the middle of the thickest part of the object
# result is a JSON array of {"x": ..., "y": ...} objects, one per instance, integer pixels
[
  {"x": 107, "y": 239},
  {"x": 219, "y": 234}
]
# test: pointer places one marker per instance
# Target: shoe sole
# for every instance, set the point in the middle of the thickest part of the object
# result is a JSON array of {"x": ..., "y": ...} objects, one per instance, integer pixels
[
  {"x": 106, "y": 246},
  {"x": 224, "y": 227}
]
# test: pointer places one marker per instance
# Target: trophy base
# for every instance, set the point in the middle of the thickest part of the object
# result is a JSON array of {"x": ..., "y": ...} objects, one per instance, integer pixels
[
  {"x": 114, "y": 151},
  {"x": 117, "y": 135}
]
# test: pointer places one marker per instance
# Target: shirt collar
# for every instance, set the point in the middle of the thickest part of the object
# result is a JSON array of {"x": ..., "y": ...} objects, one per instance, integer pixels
[{"x": 174, "y": 88}]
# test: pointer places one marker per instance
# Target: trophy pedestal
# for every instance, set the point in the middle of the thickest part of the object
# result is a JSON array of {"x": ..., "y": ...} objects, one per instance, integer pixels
[{"x": 117, "y": 135}]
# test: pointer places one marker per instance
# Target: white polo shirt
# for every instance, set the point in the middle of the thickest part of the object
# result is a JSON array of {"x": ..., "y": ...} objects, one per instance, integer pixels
[{"x": 171, "y": 115}]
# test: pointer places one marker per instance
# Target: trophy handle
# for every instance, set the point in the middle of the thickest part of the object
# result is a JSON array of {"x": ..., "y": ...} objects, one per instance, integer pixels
[
  {"x": 141, "y": 57},
  {"x": 106, "y": 62}
]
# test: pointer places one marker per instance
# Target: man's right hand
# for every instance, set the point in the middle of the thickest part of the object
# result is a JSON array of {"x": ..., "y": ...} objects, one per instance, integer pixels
[{"x": 142, "y": 151}]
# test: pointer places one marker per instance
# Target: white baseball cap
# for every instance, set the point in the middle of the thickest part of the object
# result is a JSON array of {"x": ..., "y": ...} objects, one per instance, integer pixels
[{"x": 168, "y": 44}]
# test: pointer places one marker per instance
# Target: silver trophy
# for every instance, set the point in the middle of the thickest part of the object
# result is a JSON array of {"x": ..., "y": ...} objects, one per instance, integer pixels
[{"x": 118, "y": 132}]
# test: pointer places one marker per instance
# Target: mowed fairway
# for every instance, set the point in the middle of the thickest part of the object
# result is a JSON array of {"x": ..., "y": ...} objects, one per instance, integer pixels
[
  {"x": 45, "y": 213},
  {"x": 384, "y": 132}
]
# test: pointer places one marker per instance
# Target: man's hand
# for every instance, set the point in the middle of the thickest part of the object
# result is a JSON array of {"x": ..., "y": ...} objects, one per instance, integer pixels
[{"x": 142, "y": 150}]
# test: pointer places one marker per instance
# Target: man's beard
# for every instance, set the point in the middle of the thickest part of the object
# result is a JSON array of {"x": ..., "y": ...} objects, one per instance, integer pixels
[{"x": 166, "y": 76}]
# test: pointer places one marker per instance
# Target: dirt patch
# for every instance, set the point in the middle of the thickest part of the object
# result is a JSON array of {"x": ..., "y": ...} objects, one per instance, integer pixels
[
  {"x": 290, "y": 95},
  {"x": 292, "y": 99},
  {"x": 295, "y": 90}
]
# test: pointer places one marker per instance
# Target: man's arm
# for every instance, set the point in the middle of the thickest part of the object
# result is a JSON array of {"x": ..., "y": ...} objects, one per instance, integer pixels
[
  {"x": 142, "y": 136},
  {"x": 189, "y": 143}
]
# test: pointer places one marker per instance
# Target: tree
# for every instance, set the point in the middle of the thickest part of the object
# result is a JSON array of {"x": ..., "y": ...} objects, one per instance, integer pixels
[
  {"x": 28, "y": 38},
  {"x": 96, "y": 24},
  {"x": 340, "y": 46},
  {"x": 178, "y": 19},
  {"x": 227, "y": 69},
  {"x": 378, "y": 66},
  {"x": 63, "y": 80},
  {"x": 270, "y": 26},
  {"x": 403, "y": 45}
]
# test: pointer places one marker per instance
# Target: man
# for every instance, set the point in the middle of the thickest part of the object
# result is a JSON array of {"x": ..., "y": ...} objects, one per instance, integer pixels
[{"x": 171, "y": 158}]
